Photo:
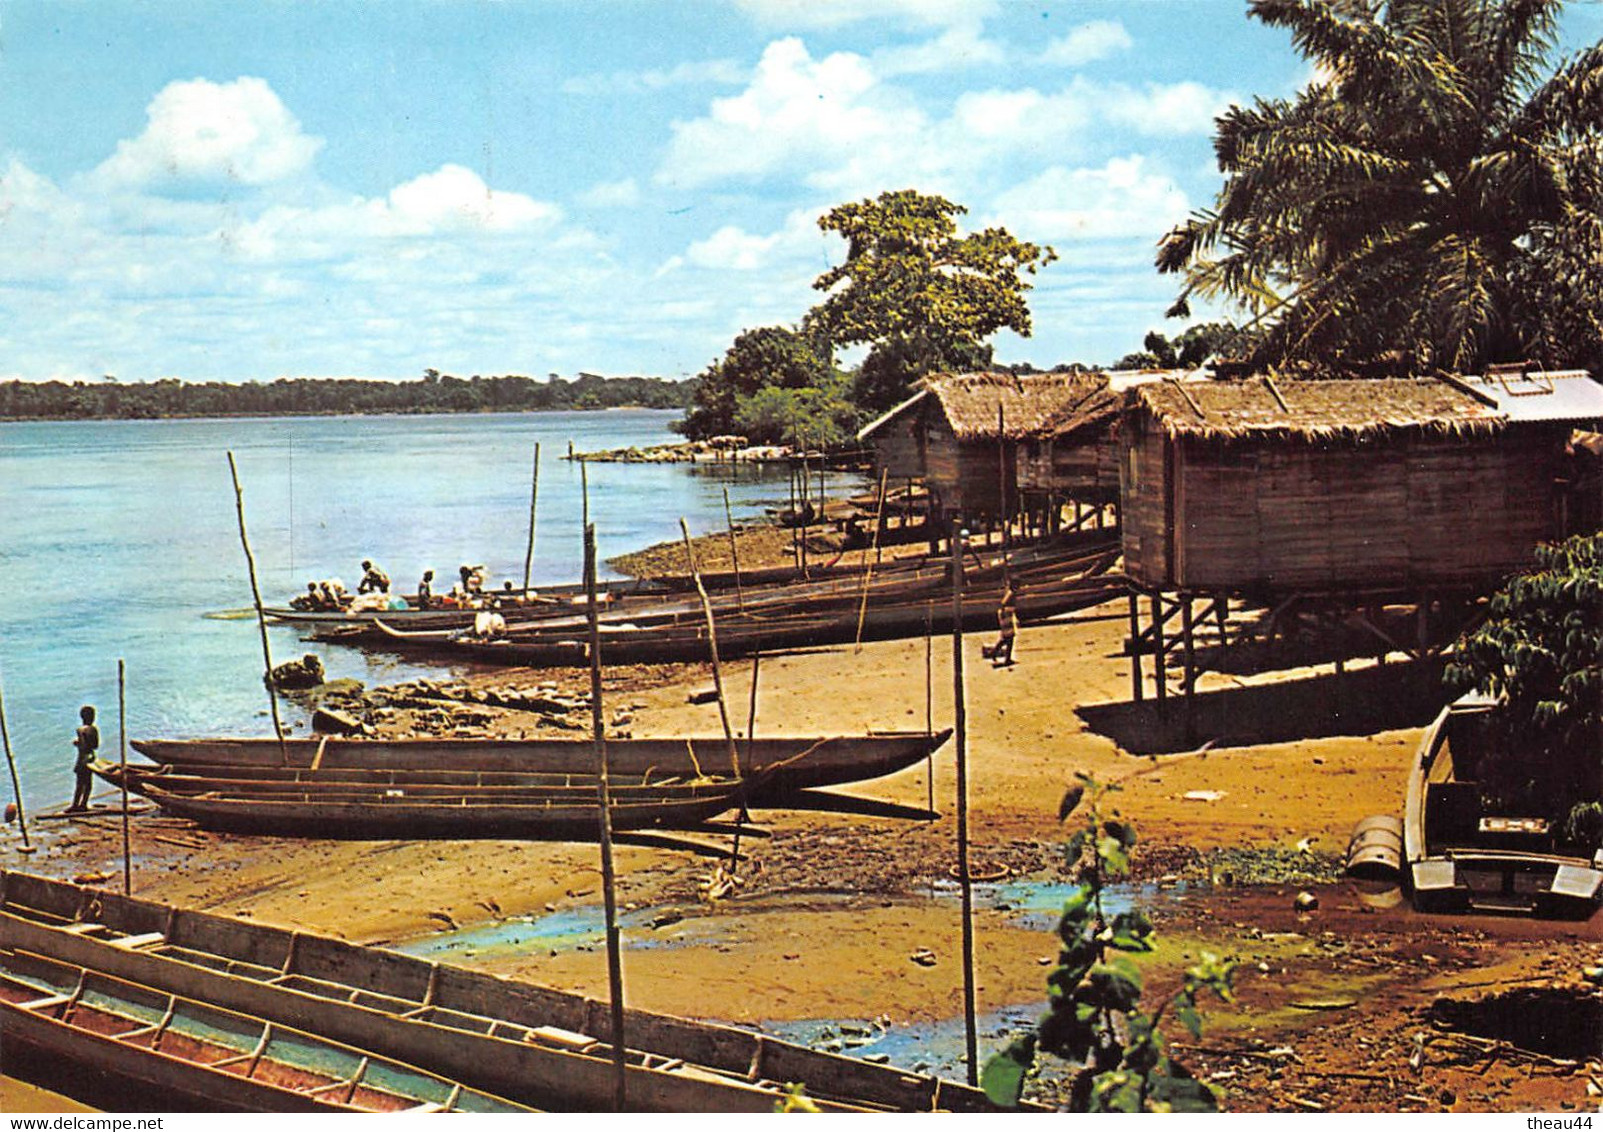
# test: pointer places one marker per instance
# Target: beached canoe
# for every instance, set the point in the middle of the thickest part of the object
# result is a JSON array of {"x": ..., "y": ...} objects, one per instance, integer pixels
[
  {"x": 786, "y": 765},
  {"x": 539, "y": 1045},
  {"x": 382, "y": 813},
  {"x": 69, "y": 1021},
  {"x": 1459, "y": 854}
]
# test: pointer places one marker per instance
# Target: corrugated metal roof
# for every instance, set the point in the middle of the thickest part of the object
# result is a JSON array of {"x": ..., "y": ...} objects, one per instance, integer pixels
[{"x": 1537, "y": 395}]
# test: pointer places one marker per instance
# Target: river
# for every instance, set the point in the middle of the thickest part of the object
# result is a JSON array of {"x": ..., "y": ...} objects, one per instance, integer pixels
[{"x": 118, "y": 540}]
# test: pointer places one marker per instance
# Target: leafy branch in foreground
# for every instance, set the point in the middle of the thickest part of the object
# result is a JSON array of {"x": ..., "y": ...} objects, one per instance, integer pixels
[{"x": 1095, "y": 990}]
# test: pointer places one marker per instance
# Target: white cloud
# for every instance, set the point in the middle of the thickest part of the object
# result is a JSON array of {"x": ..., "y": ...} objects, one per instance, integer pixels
[
  {"x": 955, "y": 48},
  {"x": 797, "y": 112},
  {"x": 1123, "y": 199},
  {"x": 1165, "y": 108},
  {"x": 612, "y": 194},
  {"x": 731, "y": 249},
  {"x": 201, "y": 130},
  {"x": 838, "y": 13},
  {"x": 700, "y": 72},
  {"x": 1087, "y": 43}
]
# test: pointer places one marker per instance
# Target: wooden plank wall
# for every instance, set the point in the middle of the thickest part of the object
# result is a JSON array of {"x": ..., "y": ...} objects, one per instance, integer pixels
[
  {"x": 1083, "y": 466},
  {"x": 1141, "y": 507},
  {"x": 898, "y": 447},
  {"x": 1406, "y": 512}
]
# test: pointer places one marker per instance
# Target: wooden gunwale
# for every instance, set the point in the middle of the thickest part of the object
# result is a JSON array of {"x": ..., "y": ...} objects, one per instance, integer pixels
[
  {"x": 101, "y": 1025},
  {"x": 388, "y": 997}
]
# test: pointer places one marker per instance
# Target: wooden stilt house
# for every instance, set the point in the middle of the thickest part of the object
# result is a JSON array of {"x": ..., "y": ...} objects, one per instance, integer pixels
[
  {"x": 1272, "y": 487},
  {"x": 965, "y": 436}
]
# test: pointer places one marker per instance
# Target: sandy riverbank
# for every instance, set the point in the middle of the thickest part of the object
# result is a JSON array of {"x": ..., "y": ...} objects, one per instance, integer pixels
[{"x": 833, "y": 910}]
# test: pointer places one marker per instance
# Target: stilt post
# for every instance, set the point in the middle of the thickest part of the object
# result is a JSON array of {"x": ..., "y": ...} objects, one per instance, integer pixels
[
  {"x": 965, "y": 883},
  {"x": 261, "y": 618}
]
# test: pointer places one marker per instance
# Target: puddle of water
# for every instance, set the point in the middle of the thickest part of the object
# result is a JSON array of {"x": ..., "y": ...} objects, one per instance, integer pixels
[
  {"x": 570, "y": 929},
  {"x": 1039, "y": 903},
  {"x": 920, "y": 1047}
]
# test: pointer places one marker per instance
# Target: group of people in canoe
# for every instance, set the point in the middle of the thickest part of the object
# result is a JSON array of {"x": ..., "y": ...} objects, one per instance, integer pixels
[{"x": 373, "y": 593}]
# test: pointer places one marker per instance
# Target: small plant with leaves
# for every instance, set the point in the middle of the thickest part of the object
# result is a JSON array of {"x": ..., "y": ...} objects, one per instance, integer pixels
[{"x": 1093, "y": 1016}]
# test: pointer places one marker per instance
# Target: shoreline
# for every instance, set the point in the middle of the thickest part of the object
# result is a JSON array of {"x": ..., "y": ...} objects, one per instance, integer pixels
[{"x": 833, "y": 909}]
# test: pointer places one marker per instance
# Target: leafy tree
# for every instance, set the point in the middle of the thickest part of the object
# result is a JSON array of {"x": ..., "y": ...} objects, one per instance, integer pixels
[
  {"x": 821, "y": 415},
  {"x": 1540, "y": 651},
  {"x": 1193, "y": 346},
  {"x": 1431, "y": 198},
  {"x": 921, "y": 296},
  {"x": 1093, "y": 1016},
  {"x": 769, "y": 357}
]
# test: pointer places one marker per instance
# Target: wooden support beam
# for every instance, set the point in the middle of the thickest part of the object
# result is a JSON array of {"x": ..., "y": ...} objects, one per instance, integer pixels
[
  {"x": 1135, "y": 647},
  {"x": 1159, "y": 653}
]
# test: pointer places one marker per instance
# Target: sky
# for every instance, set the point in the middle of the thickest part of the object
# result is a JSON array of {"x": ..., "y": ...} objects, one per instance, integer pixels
[{"x": 224, "y": 191}]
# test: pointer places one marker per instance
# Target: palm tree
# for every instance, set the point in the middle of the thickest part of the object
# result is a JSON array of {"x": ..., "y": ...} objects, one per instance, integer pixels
[{"x": 1434, "y": 196}]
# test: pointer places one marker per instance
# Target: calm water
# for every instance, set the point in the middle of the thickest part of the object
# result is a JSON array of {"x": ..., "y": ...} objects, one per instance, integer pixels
[{"x": 117, "y": 538}]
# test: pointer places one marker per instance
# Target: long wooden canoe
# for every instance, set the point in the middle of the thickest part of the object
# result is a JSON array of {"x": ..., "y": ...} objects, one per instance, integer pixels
[
  {"x": 382, "y": 814},
  {"x": 538, "y": 1045},
  {"x": 787, "y": 764},
  {"x": 176, "y": 1050}
]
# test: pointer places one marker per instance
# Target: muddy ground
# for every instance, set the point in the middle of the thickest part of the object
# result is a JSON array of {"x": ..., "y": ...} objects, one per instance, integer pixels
[{"x": 841, "y": 919}]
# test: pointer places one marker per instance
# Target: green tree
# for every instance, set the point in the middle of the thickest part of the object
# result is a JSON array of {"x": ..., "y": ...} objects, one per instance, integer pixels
[
  {"x": 1434, "y": 197},
  {"x": 1540, "y": 651},
  {"x": 921, "y": 296},
  {"x": 1093, "y": 1015},
  {"x": 768, "y": 357}
]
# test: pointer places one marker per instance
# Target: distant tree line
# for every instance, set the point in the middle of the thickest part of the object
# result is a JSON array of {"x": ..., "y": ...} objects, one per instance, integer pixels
[{"x": 303, "y": 396}]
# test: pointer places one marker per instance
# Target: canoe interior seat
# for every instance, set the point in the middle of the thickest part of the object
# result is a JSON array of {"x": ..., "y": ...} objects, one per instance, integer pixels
[
  {"x": 566, "y": 1039},
  {"x": 136, "y": 942}
]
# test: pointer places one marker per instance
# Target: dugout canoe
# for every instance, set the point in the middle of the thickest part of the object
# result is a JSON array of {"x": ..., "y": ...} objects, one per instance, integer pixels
[
  {"x": 786, "y": 764},
  {"x": 383, "y": 814},
  {"x": 72, "y": 1024},
  {"x": 538, "y": 1045}
]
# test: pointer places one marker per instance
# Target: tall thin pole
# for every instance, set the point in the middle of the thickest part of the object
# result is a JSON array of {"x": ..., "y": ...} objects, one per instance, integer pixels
[
  {"x": 868, "y": 567},
  {"x": 929, "y": 699},
  {"x": 1001, "y": 492},
  {"x": 534, "y": 499},
  {"x": 122, "y": 762},
  {"x": 16, "y": 783},
  {"x": 584, "y": 494},
  {"x": 604, "y": 820},
  {"x": 712, "y": 642},
  {"x": 795, "y": 515},
  {"x": 802, "y": 514},
  {"x": 970, "y": 1032},
  {"x": 751, "y": 753},
  {"x": 734, "y": 553},
  {"x": 261, "y": 618}
]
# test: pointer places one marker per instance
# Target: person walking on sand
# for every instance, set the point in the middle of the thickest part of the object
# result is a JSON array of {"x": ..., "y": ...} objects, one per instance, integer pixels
[
  {"x": 86, "y": 742},
  {"x": 1007, "y": 623}
]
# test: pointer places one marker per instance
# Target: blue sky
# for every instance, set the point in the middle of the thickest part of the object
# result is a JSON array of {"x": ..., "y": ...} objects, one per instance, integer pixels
[{"x": 225, "y": 191}]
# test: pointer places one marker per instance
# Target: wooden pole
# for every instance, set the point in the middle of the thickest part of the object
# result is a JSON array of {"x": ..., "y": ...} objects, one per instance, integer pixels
[
  {"x": 16, "y": 783},
  {"x": 1001, "y": 492},
  {"x": 868, "y": 567},
  {"x": 712, "y": 642},
  {"x": 929, "y": 699},
  {"x": 122, "y": 761},
  {"x": 604, "y": 820},
  {"x": 751, "y": 744},
  {"x": 970, "y": 1033},
  {"x": 534, "y": 499},
  {"x": 584, "y": 495},
  {"x": 1190, "y": 656},
  {"x": 795, "y": 516},
  {"x": 1135, "y": 647},
  {"x": 1160, "y": 655},
  {"x": 261, "y": 618},
  {"x": 734, "y": 553},
  {"x": 801, "y": 519}
]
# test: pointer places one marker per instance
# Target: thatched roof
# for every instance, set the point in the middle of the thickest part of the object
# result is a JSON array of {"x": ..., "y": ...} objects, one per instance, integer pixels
[
  {"x": 1336, "y": 408},
  {"x": 1036, "y": 404}
]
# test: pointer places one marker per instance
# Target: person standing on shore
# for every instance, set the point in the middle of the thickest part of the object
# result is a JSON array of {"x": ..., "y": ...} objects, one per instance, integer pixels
[
  {"x": 86, "y": 742},
  {"x": 1007, "y": 623}
]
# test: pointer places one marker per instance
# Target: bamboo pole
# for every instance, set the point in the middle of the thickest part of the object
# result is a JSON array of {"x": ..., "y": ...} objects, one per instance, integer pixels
[
  {"x": 734, "y": 553},
  {"x": 712, "y": 641},
  {"x": 1001, "y": 494},
  {"x": 795, "y": 515},
  {"x": 751, "y": 749},
  {"x": 604, "y": 821},
  {"x": 16, "y": 783},
  {"x": 122, "y": 761},
  {"x": 261, "y": 618},
  {"x": 929, "y": 700},
  {"x": 534, "y": 499},
  {"x": 970, "y": 1032},
  {"x": 868, "y": 567}
]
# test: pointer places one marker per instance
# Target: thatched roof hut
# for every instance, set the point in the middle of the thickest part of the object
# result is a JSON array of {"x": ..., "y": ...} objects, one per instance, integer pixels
[
  {"x": 1344, "y": 485},
  {"x": 959, "y": 433}
]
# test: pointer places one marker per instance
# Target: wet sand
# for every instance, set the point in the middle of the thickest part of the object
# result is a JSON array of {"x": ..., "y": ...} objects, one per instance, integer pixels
[{"x": 833, "y": 918}]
